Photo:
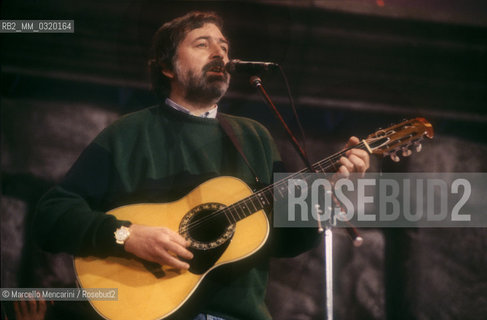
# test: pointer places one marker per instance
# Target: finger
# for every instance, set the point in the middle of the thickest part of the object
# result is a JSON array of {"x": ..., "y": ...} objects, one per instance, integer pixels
[
  {"x": 177, "y": 237},
  {"x": 362, "y": 154},
  {"x": 179, "y": 250},
  {"x": 18, "y": 313},
  {"x": 343, "y": 171},
  {"x": 347, "y": 163},
  {"x": 42, "y": 307},
  {"x": 21, "y": 310},
  {"x": 167, "y": 259},
  {"x": 24, "y": 309},
  {"x": 352, "y": 141},
  {"x": 33, "y": 306},
  {"x": 358, "y": 164}
]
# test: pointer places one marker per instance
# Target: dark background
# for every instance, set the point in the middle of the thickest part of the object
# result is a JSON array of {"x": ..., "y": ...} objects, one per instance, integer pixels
[{"x": 353, "y": 66}]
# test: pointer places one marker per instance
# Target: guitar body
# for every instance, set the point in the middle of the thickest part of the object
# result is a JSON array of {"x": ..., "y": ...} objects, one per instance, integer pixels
[{"x": 149, "y": 291}]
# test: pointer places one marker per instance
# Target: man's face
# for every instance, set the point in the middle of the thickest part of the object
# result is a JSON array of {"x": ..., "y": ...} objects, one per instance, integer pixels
[{"x": 199, "y": 64}]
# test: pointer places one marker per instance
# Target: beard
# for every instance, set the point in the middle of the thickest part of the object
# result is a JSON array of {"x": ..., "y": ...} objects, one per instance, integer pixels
[{"x": 203, "y": 87}]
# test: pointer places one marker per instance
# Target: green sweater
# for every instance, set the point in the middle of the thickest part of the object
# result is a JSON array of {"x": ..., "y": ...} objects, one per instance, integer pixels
[{"x": 159, "y": 155}]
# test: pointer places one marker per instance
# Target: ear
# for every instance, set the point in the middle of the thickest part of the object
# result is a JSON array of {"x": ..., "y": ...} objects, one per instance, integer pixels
[{"x": 167, "y": 71}]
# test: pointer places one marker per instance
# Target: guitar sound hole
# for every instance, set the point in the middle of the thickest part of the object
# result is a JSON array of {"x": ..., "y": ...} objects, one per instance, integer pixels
[{"x": 206, "y": 227}]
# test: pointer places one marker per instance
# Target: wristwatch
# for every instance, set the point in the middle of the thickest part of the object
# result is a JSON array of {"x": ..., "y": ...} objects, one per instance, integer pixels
[{"x": 121, "y": 235}]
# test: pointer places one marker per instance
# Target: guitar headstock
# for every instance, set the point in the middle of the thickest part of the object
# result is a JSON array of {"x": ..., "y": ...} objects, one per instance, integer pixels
[{"x": 400, "y": 138}]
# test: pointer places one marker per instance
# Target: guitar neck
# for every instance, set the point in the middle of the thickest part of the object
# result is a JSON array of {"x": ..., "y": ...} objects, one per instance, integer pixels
[{"x": 264, "y": 198}]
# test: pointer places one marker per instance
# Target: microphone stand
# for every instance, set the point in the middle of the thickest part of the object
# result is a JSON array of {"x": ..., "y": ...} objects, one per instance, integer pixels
[
  {"x": 352, "y": 232},
  {"x": 257, "y": 83},
  {"x": 329, "y": 269}
]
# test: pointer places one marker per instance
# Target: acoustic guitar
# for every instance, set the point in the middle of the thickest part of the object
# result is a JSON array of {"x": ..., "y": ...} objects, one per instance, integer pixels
[{"x": 223, "y": 220}]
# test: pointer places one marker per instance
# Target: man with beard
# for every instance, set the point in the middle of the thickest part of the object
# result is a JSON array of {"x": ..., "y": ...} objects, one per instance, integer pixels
[{"x": 160, "y": 154}]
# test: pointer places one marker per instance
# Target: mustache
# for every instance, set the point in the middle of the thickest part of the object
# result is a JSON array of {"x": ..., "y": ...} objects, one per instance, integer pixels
[{"x": 215, "y": 64}]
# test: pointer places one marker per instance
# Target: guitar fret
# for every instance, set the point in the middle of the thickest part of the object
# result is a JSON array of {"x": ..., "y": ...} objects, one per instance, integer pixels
[
  {"x": 281, "y": 189},
  {"x": 252, "y": 202},
  {"x": 266, "y": 199},
  {"x": 235, "y": 219},
  {"x": 238, "y": 213},
  {"x": 284, "y": 187},
  {"x": 226, "y": 212},
  {"x": 246, "y": 207},
  {"x": 333, "y": 163},
  {"x": 261, "y": 199},
  {"x": 321, "y": 167},
  {"x": 234, "y": 213}
]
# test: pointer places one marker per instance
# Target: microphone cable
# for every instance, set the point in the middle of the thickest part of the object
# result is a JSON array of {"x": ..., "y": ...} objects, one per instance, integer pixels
[{"x": 293, "y": 107}]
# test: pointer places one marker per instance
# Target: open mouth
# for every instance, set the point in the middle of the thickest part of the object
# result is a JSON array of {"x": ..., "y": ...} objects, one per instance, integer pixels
[{"x": 217, "y": 69}]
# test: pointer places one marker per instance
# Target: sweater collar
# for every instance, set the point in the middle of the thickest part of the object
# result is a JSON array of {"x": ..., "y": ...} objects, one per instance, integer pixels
[{"x": 208, "y": 114}]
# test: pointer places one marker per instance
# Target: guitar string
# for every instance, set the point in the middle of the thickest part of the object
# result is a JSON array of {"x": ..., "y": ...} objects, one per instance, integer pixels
[{"x": 329, "y": 162}]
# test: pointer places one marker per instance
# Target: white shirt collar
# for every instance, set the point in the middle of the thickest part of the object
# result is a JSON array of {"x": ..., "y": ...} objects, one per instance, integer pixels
[{"x": 208, "y": 114}]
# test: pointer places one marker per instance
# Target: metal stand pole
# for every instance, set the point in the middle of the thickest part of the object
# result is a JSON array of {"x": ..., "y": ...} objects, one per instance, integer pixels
[
  {"x": 357, "y": 240},
  {"x": 329, "y": 271}
]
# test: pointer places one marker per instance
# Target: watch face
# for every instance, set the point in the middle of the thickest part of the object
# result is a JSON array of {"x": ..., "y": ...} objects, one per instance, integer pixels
[{"x": 122, "y": 234}]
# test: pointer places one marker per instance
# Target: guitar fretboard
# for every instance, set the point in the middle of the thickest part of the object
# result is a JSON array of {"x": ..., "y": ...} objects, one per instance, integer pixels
[{"x": 264, "y": 198}]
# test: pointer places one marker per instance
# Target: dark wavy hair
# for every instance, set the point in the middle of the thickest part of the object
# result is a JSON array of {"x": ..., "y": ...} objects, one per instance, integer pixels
[{"x": 166, "y": 41}]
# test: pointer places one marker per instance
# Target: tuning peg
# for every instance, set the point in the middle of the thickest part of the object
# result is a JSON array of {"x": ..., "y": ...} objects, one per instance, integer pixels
[
  {"x": 418, "y": 146},
  {"x": 406, "y": 152},
  {"x": 394, "y": 157}
]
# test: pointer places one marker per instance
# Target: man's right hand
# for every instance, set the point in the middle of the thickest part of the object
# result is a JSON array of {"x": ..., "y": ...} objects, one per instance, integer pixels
[{"x": 158, "y": 244}]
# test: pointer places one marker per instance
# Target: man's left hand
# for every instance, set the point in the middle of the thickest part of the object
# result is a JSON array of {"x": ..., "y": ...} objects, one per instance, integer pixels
[{"x": 355, "y": 160}]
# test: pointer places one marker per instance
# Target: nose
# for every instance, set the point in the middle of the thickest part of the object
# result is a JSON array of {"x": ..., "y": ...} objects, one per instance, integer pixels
[{"x": 218, "y": 52}]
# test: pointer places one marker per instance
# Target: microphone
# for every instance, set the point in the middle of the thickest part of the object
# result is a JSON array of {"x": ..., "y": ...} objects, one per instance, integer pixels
[{"x": 249, "y": 67}]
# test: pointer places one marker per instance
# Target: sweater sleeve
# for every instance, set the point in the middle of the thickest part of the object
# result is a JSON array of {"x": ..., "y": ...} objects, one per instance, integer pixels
[{"x": 70, "y": 217}]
